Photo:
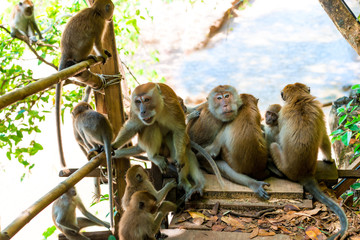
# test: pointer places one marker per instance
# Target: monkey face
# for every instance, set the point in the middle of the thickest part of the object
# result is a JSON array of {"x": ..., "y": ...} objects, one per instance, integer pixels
[
  {"x": 146, "y": 109},
  {"x": 271, "y": 118},
  {"x": 27, "y": 7},
  {"x": 135, "y": 175},
  {"x": 143, "y": 200},
  {"x": 225, "y": 107}
]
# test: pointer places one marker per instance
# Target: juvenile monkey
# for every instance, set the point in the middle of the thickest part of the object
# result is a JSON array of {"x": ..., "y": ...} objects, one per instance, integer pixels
[
  {"x": 64, "y": 216},
  {"x": 138, "y": 180},
  {"x": 302, "y": 133},
  {"x": 156, "y": 116},
  {"x": 142, "y": 219},
  {"x": 96, "y": 133},
  {"x": 272, "y": 124},
  {"x": 22, "y": 21},
  {"x": 243, "y": 148},
  {"x": 82, "y": 33}
]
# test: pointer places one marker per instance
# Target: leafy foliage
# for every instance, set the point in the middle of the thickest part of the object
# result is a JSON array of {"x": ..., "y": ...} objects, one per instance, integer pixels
[
  {"x": 21, "y": 119},
  {"x": 348, "y": 131}
]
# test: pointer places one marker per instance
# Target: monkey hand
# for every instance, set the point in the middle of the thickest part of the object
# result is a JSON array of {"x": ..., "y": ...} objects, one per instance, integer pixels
[
  {"x": 258, "y": 188},
  {"x": 213, "y": 150},
  {"x": 171, "y": 184},
  {"x": 32, "y": 39},
  {"x": 161, "y": 162}
]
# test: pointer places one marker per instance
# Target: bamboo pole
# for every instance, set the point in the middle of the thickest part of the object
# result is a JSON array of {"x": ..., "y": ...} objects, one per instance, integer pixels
[
  {"x": 51, "y": 196},
  {"x": 43, "y": 83}
]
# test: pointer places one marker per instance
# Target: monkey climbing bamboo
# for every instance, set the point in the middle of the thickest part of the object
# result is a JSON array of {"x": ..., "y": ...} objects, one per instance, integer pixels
[
  {"x": 35, "y": 87},
  {"x": 48, "y": 198}
]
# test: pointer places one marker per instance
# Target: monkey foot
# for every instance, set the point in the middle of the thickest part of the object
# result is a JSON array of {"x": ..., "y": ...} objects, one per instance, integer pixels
[{"x": 258, "y": 188}]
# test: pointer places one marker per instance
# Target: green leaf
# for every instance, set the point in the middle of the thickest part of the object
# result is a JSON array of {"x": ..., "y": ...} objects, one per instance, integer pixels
[
  {"x": 355, "y": 186},
  {"x": 340, "y": 109},
  {"x": 49, "y": 232},
  {"x": 342, "y": 119},
  {"x": 356, "y": 86},
  {"x": 346, "y": 138},
  {"x": 349, "y": 104},
  {"x": 111, "y": 237},
  {"x": 336, "y": 132}
]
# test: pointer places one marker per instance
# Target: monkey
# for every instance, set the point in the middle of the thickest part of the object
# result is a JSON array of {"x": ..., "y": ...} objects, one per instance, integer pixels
[
  {"x": 96, "y": 133},
  {"x": 156, "y": 116},
  {"x": 302, "y": 133},
  {"x": 243, "y": 148},
  {"x": 223, "y": 105},
  {"x": 64, "y": 216},
  {"x": 142, "y": 218},
  {"x": 272, "y": 126},
  {"x": 82, "y": 33},
  {"x": 22, "y": 21},
  {"x": 138, "y": 180}
]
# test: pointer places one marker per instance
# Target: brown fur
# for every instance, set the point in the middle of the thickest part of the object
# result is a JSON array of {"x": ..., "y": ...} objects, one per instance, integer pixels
[
  {"x": 95, "y": 132},
  {"x": 137, "y": 179},
  {"x": 142, "y": 218},
  {"x": 22, "y": 21},
  {"x": 272, "y": 124},
  {"x": 302, "y": 133},
  {"x": 64, "y": 216},
  {"x": 156, "y": 116}
]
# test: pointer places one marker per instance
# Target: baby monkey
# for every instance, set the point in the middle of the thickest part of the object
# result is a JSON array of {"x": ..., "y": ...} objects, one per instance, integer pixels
[
  {"x": 142, "y": 218},
  {"x": 64, "y": 216},
  {"x": 137, "y": 179}
]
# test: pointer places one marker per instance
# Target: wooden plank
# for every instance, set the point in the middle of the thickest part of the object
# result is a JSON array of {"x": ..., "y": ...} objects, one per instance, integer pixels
[
  {"x": 345, "y": 183},
  {"x": 279, "y": 188},
  {"x": 247, "y": 203},
  {"x": 181, "y": 234},
  {"x": 98, "y": 235},
  {"x": 349, "y": 174}
]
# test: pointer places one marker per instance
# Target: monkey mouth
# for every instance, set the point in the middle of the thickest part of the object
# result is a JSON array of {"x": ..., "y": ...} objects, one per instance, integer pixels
[
  {"x": 148, "y": 120},
  {"x": 227, "y": 113}
]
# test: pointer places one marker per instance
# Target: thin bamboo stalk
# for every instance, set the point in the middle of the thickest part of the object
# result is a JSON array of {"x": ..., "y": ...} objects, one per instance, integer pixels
[
  {"x": 51, "y": 196},
  {"x": 43, "y": 83}
]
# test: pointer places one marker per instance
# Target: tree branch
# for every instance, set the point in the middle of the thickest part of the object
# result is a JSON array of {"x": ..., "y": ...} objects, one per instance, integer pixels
[
  {"x": 26, "y": 40},
  {"x": 344, "y": 21}
]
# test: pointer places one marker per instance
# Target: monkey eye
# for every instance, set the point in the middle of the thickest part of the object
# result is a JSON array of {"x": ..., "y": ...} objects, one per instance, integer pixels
[
  {"x": 146, "y": 100},
  {"x": 20, "y": 3},
  {"x": 137, "y": 101},
  {"x": 226, "y": 95},
  {"x": 219, "y": 97}
]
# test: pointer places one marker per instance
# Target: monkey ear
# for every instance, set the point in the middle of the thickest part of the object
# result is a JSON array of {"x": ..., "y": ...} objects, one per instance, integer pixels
[
  {"x": 141, "y": 205},
  {"x": 158, "y": 88},
  {"x": 139, "y": 178},
  {"x": 308, "y": 89},
  {"x": 282, "y": 96}
]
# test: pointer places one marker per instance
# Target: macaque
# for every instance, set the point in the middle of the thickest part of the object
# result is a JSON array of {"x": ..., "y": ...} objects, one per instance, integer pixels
[
  {"x": 272, "y": 126},
  {"x": 82, "y": 33},
  {"x": 96, "y": 134},
  {"x": 138, "y": 180},
  {"x": 302, "y": 133},
  {"x": 22, "y": 21},
  {"x": 156, "y": 116},
  {"x": 142, "y": 218},
  {"x": 64, "y": 216},
  {"x": 243, "y": 148}
]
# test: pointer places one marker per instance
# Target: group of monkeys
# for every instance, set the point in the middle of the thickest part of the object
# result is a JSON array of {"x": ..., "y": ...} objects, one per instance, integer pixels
[{"x": 227, "y": 126}]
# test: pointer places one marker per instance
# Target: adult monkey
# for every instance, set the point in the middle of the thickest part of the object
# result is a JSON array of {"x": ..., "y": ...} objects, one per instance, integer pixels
[
  {"x": 82, "y": 33},
  {"x": 96, "y": 134},
  {"x": 222, "y": 107},
  {"x": 22, "y": 21},
  {"x": 302, "y": 133},
  {"x": 158, "y": 119},
  {"x": 64, "y": 216}
]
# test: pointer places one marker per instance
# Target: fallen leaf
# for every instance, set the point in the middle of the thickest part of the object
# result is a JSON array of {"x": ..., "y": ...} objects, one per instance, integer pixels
[
  {"x": 314, "y": 233},
  {"x": 215, "y": 209},
  {"x": 274, "y": 227},
  {"x": 291, "y": 207},
  {"x": 218, "y": 227},
  {"x": 312, "y": 212},
  {"x": 209, "y": 223},
  {"x": 263, "y": 232},
  {"x": 213, "y": 218},
  {"x": 254, "y": 233},
  {"x": 232, "y": 222},
  {"x": 198, "y": 221},
  {"x": 198, "y": 215},
  {"x": 285, "y": 230}
]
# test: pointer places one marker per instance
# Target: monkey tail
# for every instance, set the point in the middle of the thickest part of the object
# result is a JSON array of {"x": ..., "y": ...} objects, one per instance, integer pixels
[
  {"x": 211, "y": 161},
  {"x": 107, "y": 148},
  {"x": 58, "y": 93},
  {"x": 312, "y": 186}
]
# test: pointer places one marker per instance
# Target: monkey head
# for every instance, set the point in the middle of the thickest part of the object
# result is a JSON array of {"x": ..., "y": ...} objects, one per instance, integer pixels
[
  {"x": 224, "y": 102},
  {"x": 105, "y": 8},
  {"x": 295, "y": 89},
  {"x": 272, "y": 114},
  {"x": 80, "y": 108},
  {"x": 27, "y": 7},
  {"x": 135, "y": 175},
  {"x": 143, "y": 200},
  {"x": 147, "y": 102}
]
